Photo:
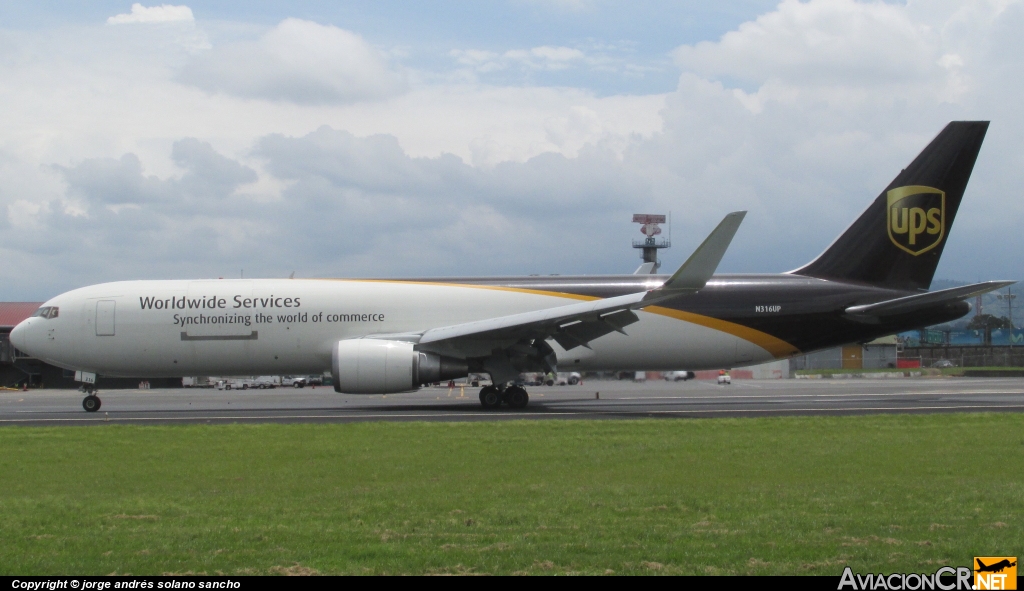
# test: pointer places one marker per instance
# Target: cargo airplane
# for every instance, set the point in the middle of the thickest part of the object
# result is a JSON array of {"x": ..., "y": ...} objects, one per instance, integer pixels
[
  {"x": 390, "y": 336},
  {"x": 995, "y": 567}
]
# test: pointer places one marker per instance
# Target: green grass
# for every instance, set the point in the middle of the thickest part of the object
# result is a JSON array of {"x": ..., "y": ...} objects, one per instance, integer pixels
[
  {"x": 959, "y": 371},
  {"x": 828, "y": 372},
  {"x": 774, "y": 495}
]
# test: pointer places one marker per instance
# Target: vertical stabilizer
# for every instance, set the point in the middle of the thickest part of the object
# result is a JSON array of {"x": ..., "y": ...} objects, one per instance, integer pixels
[{"x": 898, "y": 240}]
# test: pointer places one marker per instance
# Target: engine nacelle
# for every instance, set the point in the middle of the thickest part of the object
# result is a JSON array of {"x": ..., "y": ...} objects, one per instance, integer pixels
[{"x": 371, "y": 366}]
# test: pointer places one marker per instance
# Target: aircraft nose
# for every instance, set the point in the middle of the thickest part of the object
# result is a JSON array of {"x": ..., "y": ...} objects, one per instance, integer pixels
[{"x": 18, "y": 335}]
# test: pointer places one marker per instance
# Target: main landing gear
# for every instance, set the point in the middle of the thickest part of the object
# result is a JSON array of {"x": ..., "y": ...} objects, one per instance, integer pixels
[
  {"x": 513, "y": 396},
  {"x": 91, "y": 402}
]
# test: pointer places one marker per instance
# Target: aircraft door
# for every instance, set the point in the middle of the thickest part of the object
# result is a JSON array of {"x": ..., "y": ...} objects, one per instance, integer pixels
[
  {"x": 105, "y": 318},
  {"x": 853, "y": 357},
  {"x": 221, "y": 335}
]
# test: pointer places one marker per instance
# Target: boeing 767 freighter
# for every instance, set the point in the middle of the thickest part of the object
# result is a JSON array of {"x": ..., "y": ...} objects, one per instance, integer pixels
[{"x": 390, "y": 336}]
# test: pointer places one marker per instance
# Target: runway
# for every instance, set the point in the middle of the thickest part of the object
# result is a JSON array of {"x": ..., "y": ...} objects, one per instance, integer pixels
[{"x": 592, "y": 400}]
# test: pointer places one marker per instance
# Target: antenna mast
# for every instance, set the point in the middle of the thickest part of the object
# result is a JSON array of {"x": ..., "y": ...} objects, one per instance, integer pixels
[{"x": 650, "y": 245}]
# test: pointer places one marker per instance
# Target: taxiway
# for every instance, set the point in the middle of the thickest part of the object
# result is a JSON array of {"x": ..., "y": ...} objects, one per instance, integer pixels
[{"x": 592, "y": 400}]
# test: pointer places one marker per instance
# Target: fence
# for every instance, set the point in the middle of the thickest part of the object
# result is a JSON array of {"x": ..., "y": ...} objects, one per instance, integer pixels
[{"x": 967, "y": 356}]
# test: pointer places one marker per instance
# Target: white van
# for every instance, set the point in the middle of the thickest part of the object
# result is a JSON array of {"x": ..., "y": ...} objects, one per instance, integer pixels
[{"x": 682, "y": 374}]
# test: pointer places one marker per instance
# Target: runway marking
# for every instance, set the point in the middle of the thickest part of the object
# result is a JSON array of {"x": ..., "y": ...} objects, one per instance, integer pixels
[{"x": 518, "y": 415}]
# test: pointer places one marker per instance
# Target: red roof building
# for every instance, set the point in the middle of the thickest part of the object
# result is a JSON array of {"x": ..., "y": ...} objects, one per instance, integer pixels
[{"x": 11, "y": 313}]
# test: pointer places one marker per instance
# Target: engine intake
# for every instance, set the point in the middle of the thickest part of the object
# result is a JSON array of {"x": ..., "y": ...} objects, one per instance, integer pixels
[{"x": 370, "y": 366}]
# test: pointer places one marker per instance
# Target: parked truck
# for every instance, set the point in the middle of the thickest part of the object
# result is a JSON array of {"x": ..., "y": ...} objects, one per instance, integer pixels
[
  {"x": 196, "y": 382},
  {"x": 267, "y": 382}
]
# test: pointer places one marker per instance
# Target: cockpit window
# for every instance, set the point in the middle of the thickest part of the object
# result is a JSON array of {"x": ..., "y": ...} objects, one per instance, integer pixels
[{"x": 47, "y": 312}]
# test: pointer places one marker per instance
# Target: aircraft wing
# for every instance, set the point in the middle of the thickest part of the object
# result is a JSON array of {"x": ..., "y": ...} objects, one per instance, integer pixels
[
  {"x": 923, "y": 300},
  {"x": 571, "y": 326},
  {"x": 694, "y": 274}
]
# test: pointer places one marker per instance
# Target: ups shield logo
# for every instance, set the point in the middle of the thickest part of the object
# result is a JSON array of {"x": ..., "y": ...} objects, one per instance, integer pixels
[{"x": 916, "y": 218}]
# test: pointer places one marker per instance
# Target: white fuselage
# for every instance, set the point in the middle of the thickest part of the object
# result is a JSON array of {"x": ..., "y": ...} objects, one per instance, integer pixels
[{"x": 285, "y": 326}]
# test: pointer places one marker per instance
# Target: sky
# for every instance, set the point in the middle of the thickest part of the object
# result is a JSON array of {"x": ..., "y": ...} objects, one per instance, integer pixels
[{"x": 412, "y": 139}]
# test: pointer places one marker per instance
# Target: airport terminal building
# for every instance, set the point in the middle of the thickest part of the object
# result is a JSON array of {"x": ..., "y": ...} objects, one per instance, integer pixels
[{"x": 15, "y": 368}]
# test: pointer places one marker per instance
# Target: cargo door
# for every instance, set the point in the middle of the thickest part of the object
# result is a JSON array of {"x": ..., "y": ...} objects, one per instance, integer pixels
[
  {"x": 219, "y": 330},
  {"x": 213, "y": 312},
  {"x": 105, "y": 318},
  {"x": 853, "y": 357}
]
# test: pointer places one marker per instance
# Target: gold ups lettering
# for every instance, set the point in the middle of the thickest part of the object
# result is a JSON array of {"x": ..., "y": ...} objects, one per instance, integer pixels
[{"x": 916, "y": 218}]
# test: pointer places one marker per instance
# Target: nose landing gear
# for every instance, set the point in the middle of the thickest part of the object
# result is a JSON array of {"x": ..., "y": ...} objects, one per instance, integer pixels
[
  {"x": 513, "y": 396},
  {"x": 91, "y": 402}
]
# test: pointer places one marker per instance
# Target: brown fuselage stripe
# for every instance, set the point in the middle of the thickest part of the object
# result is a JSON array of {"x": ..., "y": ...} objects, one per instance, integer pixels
[{"x": 774, "y": 345}]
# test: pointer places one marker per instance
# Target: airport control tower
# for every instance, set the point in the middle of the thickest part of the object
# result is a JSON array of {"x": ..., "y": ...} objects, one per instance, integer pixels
[{"x": 650, "y": 245}]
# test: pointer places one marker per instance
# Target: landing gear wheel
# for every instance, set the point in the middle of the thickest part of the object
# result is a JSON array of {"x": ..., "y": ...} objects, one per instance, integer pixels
[
  {"x": 91, "y": 403},
  {"x": 516, "y": 397},
  {"x": 490, "y": 397}
]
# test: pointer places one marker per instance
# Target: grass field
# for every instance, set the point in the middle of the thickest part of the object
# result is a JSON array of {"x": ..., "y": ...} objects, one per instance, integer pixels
[
  {"x": 832, "y": 372},
  {"x": 775, "y": 495}
]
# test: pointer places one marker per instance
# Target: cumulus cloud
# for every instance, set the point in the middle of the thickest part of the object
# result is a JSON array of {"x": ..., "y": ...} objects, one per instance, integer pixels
[
  {"x": 545, "y": 57},
  {"x": 165, "y": 13},
  {"x": 99, "y": 184},
  {"x": 840, "y": 51},
  {"x": 817, "y": 42},
  {"x": 112, "y": 208},
  {"x": 209, "y": 174},
  {"x": 387, "y": 213},
  {"x": 298, "y": 61},
  {"x": 353, "y": 206},
  {"x": 112, "y": 182}
]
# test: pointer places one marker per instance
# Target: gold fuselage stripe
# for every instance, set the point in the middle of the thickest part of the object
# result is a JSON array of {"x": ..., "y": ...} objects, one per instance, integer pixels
[{"x": 774, "y": 345}]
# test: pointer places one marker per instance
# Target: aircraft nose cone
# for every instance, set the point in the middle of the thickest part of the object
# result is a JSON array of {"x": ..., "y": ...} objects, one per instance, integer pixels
[{"x": 18, "y": 335}]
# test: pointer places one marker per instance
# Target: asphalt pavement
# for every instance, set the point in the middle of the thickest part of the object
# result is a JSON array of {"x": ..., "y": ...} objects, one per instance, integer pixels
[{"x": 591, "y": 400}]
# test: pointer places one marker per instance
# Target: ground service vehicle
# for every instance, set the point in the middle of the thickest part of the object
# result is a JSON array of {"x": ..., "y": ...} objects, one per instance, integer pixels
[
  {"x": 266, "y": 382},
  {"x": 196, "y": 382},
  {"x": 390, "y": 336},
  {"x": 294, "y": 381},
  {"x": 675, "y": 376}
]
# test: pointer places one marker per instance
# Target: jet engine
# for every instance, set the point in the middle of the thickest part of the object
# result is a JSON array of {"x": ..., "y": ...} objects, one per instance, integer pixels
[{"x": 371, "y": 366}]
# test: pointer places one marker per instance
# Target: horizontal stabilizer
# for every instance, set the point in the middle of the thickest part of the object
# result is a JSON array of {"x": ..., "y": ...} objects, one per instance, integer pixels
[
  {"x": 924, "y": 300},
  {"x": 694, "y": 274}
]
